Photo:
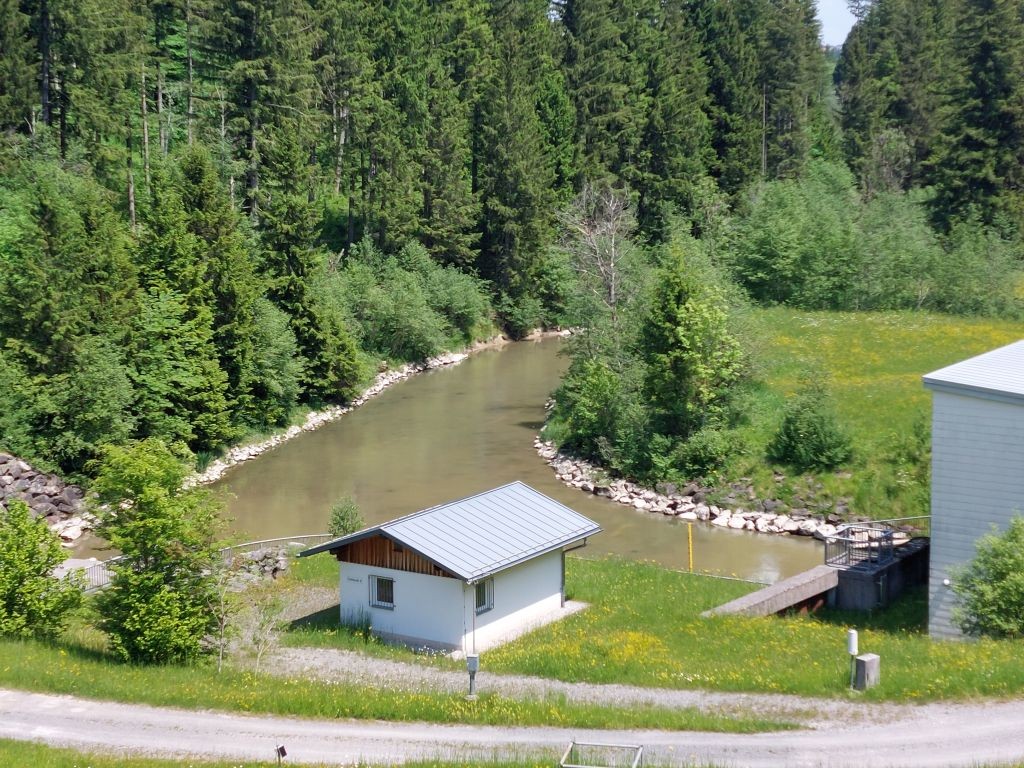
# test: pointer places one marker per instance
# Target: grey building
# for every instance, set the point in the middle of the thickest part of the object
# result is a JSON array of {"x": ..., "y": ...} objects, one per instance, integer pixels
[{"x": 977, "y": 465}]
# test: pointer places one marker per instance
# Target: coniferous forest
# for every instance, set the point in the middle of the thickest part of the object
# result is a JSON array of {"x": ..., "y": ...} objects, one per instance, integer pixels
[{"x": 215, "y": 213}]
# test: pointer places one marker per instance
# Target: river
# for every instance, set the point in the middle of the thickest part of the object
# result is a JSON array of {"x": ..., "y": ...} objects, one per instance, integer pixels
[{"x": 455, "y": 431}]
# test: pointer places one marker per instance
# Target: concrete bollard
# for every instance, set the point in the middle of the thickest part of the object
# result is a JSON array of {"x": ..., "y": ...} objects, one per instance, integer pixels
[{"x": 867, "y": 671}]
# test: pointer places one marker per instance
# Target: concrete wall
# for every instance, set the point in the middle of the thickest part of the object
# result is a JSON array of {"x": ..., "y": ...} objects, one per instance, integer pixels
[
  {"x": 977, "y": 482},
  {"x": 437, "y": 611},
  {"x": 521, "y": 595}
]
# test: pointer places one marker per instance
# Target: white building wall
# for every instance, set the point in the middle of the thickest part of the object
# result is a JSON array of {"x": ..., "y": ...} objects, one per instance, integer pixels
[
  {"x": 442, "y": 611},
  {"x": 428, "y": 609},
  {"x": 977, "y": 481},
  {"x": 522, "y": 595}
]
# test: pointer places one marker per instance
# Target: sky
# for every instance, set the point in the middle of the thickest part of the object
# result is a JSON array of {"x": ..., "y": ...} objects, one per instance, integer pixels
[{"x": 836, "y": 21}]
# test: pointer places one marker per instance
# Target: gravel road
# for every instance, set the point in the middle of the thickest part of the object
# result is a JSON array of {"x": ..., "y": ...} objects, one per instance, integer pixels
[{"x": 927, "y": 736}]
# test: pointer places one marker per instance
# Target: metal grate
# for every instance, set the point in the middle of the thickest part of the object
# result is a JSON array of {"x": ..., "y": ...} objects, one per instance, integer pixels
[{"x": 582, "y": 754}]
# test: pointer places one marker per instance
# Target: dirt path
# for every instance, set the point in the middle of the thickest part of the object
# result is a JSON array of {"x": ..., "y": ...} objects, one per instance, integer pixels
[
  {"x": 933, "y": 735},
  {"x": 333, "y": 665}
]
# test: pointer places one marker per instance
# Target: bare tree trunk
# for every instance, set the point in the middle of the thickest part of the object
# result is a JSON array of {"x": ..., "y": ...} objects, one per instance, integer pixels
[
  {"x": 340, "y": 128},
  {"x": 131, "y": 174},
  {"x": 764, "y": 131},
  {"x": 161, "y": 117},
  {"x": 188, "y": 56},
  {"x": 224, "y": 149},
  {"x": 145, "y": 128},
  {"x": 45, "y": 34},
  {"x": 252, "y": 171}
]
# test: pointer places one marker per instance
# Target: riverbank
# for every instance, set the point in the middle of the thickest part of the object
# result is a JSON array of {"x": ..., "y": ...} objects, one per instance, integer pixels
[
  {"x": 384, "y": 380},
  {"x": 692, "y": 501}
]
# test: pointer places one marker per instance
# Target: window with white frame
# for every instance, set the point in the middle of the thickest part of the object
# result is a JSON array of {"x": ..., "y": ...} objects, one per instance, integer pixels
[
  {"x": 484, "y": 595},
  {"x": 382, "y": 592}
]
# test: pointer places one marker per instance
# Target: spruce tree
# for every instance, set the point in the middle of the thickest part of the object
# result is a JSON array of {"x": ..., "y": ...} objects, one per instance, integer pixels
[
  {"x": 607, "y": 79},
  {"x": 516, "y": 177},
  {"x": 226, "y": 264},
  {"x": 17, "y": 68},
  {"x": 675, "y": 147},
  {"x": 183, "y": 390},
  {"x": 291, "y": 261},
  {"x": 734, "y": 94},
  {"x": 979, "y": 163}
]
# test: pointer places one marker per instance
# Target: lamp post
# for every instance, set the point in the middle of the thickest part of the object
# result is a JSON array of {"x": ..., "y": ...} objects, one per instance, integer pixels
[{"x": 472, "y": 666}]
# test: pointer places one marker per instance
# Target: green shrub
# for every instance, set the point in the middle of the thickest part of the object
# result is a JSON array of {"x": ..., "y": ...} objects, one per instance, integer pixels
[
  {"x": 589, "y": 402},
  {"x": 810, "y": 436},
  {"x": 159, "y": 605},
  {"x": 991, "y": 588},
  {"x": 519, "y": 315},
  {"x": 32, "y": 602},
  {"x": 704, "y": 452},
  {"x": 345, "y": 517}
]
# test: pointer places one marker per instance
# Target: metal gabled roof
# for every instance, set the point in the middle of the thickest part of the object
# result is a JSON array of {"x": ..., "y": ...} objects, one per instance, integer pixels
[
  {"x": 480, "y": 535},
  {"x": 998, "y": 374}
]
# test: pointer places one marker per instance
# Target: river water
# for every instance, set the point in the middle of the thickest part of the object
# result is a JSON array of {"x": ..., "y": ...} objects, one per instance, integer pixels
[{"x": 456, "y": 431}]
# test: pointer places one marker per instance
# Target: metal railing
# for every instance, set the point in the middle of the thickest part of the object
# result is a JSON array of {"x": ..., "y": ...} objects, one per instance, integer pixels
[
  {"x": 290, "y": 543},
  {"x": 860, "y": 544},
  {"x": 583, "y": 754},
  {"x": 98, "y": 575}
]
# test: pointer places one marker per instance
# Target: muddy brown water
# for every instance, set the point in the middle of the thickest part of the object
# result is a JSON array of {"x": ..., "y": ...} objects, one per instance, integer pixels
[{"x": 456, "y": 431}]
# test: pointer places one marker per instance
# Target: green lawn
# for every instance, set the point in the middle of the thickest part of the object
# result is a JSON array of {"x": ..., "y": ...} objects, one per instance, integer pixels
[
  {"x": 873, "y": 362},
  {"x": 20, "y": 753},
  {"x": 644, "y": 628},
  {"x": 80, "y": 665}
]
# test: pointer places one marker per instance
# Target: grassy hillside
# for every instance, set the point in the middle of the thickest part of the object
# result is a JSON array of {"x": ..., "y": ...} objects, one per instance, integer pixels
[{"x": 873, "y": 363}]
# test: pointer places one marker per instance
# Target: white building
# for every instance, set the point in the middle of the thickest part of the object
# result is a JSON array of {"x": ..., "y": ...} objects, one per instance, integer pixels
[
  {"x": 463, "y": 575},
  {"x": 977, "y": 465}
]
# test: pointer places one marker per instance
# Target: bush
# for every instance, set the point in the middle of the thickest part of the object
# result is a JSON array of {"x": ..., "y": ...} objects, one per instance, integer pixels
[
  {"x": 345, "y": 518},
  {"x": 159, "y": 605},
  {"x": 991, "y": 588},
  {"x": 704, "y": 453},
  {"x": 32, "y": 602},
  {"x": 589, "y": 403},
  {"x": 810, "y": 436},
  {"x": 520, "y": 315}
]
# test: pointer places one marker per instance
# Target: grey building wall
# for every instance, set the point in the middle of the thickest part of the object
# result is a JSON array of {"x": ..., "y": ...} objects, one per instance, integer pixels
[{"x": 977, "y": 482}]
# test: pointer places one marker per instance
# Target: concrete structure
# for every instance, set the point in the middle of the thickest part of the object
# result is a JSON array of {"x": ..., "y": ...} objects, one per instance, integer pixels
[
  {"x": 858, "y": 586},
  {"x": 461, "y": 576},
  {"x": 783, "y": 595},
  {"x": 977, "y": 465}
]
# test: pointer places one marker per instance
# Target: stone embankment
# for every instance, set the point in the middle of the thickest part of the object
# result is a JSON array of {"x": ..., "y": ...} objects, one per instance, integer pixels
[
  {"x": 48, "y": 496},
  {"x": 688, "y": 503}
]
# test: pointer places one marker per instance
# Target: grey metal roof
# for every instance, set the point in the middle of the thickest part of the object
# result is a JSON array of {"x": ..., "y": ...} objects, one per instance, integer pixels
[
  {"x": 998, "y": 374},
  {"x": 480, "y": 535}
]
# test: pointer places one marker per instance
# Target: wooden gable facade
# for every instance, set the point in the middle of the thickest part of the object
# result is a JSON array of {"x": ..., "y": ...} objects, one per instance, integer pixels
[{"x": 381, "y": 552}]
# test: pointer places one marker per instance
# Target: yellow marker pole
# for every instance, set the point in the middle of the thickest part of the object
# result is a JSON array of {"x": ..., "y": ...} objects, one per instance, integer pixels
[{"x": 689, "y": 543}]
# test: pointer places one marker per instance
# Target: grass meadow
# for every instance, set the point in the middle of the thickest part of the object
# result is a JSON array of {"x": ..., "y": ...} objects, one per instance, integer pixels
[
  {"x": 69, "y": 669},
  {"x": 21, "y": 753},
  {"x": 644, "y": 627},
  {"x": 873, "y": 363}
]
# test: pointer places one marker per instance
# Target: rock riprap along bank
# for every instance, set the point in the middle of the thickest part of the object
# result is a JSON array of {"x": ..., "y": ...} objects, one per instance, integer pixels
[
  {"x": 687, "y": 503},
  {"x": 61, "y": 504}
]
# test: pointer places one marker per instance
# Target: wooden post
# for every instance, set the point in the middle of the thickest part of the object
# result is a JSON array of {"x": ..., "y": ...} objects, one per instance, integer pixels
[{"x": 689, "y": 543}]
